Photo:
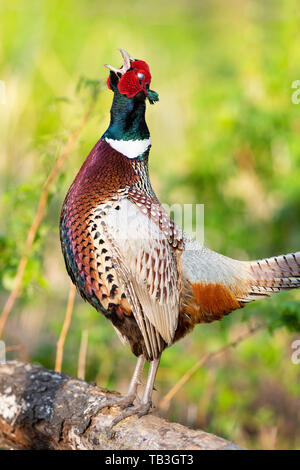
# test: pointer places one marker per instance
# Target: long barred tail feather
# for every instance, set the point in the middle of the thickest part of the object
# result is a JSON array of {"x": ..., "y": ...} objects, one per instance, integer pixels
[
  {"x": 215, "y": 285},
  {"x": 273, "y": 275}
]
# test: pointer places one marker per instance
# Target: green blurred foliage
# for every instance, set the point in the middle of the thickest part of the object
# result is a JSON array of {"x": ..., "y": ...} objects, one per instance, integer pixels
[{"x": 228, "y": 136}]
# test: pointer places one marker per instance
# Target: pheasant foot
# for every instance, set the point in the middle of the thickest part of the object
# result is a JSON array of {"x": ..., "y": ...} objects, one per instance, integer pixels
[
  {"x": 138, "y": 410},
  {"x": 122, "y": 402}
]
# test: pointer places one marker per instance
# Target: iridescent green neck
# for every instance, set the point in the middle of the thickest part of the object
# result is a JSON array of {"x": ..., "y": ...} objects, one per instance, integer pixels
[{"x": 127, "y": 119}]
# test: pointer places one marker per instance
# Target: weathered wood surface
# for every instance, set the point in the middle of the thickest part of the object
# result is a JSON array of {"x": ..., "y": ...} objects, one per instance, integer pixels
[{"x": 41, "y": 409}]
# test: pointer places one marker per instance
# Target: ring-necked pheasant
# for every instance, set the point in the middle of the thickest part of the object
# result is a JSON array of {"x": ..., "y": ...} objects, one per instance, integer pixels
[{"x": 129, "y": 259}]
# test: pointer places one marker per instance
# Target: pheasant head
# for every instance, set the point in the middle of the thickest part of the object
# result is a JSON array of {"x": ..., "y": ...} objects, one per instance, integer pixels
[{"x": 132, "y": 79}]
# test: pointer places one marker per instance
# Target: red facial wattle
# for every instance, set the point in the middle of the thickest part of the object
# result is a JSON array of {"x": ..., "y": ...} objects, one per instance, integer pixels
[{"x": 134, "y": 80}]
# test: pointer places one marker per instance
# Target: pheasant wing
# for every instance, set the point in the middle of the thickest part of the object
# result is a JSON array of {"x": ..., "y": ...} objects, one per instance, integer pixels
[{"x": 146, "y": 266}]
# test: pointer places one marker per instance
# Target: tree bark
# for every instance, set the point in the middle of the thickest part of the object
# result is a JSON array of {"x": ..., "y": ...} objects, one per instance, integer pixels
[{"x": 41, "y": 409}]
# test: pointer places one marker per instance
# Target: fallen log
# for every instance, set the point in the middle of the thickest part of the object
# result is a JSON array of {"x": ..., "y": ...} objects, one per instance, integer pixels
[{"x": 42, "y": 409}]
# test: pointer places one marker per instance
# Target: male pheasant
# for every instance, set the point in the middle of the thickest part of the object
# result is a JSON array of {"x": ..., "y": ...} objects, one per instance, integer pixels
[{"x": 131, "y": 261}]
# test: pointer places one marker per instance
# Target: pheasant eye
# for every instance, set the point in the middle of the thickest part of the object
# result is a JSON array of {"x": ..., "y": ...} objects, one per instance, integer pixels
[{"x": 141, "y": 76}]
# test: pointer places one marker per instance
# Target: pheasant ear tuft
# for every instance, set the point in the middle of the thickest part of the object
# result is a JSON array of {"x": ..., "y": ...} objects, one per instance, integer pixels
[{"x": 152, "y": 96}]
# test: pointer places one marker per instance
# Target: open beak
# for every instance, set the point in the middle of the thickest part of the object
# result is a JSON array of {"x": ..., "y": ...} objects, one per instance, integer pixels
[{"x": 126, "y": 65}]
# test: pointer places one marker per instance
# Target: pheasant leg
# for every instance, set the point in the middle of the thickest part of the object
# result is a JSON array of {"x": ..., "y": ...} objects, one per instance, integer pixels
[
  {"x": 130, "y": 396},
  {"x": 145, "y": 404}
]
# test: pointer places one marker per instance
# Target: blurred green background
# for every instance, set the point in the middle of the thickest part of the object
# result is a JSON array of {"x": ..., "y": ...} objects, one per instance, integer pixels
[{"x": 225, "y": 133}]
